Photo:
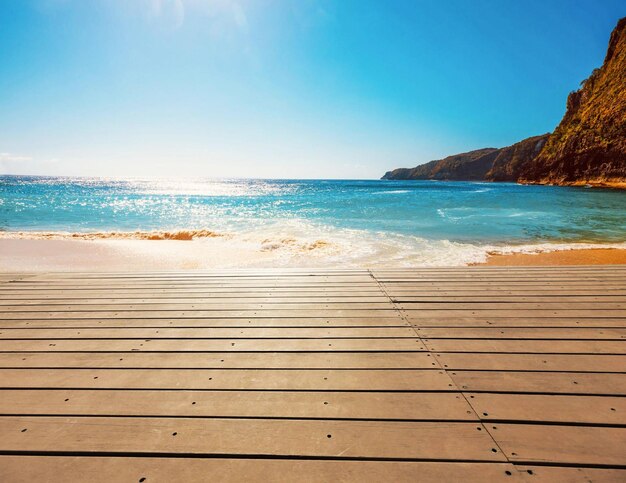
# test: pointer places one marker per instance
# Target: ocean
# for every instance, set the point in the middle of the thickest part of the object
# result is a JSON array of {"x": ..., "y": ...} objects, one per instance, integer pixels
[{"x": 395, "y": 222}]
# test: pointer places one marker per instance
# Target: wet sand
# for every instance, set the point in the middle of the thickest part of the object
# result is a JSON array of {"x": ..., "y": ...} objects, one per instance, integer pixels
[
  {"x": 594, "y": 256},
  {"x": 60, "y": 253},
  {"x": 67, "y": 255}
]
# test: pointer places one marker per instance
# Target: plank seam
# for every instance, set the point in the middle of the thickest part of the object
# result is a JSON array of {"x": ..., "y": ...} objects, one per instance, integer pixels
[{"x": 438, "y": 363}]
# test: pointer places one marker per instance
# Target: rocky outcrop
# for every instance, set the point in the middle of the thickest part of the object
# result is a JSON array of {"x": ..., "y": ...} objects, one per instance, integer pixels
[{"x": 587, "y": 147}]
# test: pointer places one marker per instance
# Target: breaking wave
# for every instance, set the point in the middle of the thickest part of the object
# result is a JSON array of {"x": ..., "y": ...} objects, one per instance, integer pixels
[
  {"x": 294, "y": 243},
  {"x": 181, "y": 235}
]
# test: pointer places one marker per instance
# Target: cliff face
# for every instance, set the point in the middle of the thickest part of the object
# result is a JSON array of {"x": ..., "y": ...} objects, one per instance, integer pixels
[
  {"x": 589, "y": 145},
  {"x": 511, "y": 160},
  {"x": 489, "y": 164},
  {"x": 466, "y": 166}
]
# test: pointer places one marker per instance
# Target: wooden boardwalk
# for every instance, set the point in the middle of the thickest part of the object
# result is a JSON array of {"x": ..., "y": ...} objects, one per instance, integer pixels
[{"x": 455, "y": 374}]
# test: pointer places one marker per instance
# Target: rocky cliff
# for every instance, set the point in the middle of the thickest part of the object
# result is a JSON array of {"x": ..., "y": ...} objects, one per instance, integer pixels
[
  {"x": 511, "y": 160},
  {"x": 489, "y": 164},
  {"x": 587, "y": 147},
  {"x": 465, "y": 166}
]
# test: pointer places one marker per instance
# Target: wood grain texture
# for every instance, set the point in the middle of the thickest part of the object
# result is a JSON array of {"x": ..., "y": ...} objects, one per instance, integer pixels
[{"x": 426, "y": 374}]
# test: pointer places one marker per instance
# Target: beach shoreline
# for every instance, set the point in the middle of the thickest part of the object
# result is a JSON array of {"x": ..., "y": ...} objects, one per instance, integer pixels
[{"x": 62, "y": 253}]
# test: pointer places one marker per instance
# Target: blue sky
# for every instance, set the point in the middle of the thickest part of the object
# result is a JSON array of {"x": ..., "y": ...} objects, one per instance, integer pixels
[{"x": 278, "y": 88}]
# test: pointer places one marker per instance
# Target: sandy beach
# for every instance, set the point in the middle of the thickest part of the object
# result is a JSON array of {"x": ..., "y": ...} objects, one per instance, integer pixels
[
  {"x": 593, "y": 256},
  {"x": 58, "y": 253},
  {"x": 36, "y": 255}
]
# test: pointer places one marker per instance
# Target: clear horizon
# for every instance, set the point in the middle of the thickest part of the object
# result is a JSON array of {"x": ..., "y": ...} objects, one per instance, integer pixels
[{"x": 279, "y": 89}]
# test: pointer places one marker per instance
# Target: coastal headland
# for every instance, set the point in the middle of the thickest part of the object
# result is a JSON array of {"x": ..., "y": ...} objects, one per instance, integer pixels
[{"x": 587, "y": 148}]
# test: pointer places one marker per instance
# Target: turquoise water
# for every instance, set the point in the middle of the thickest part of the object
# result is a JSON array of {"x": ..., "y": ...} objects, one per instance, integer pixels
[
  {"x": 410, "y": 215},
  {"x": 455, "y": 211}
]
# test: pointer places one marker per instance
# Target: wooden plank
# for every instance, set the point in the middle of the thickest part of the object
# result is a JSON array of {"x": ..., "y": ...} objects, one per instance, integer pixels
[
  {"x": 527, "y": 346},
  {"x": 194, "y": 314},
  {"x": 270, "y": 278},
  {"x": 184, "y": 281},
  {"x": 33, "y": 283},
  {"x": 187, "y": 307},
  {"x": 12, "y": 277},
  {"x": 600, "y": 270},
  {"x": 539, "y": 408},
  {"x": 213, "y": 299},
  {"x": 506, "y": 276},
  {"x": 530, "y": 362},
  {"x": 214, "y": 272},
  {"x": 476, "y": 293},
  {"x": 552, "y": 278},
  {"x": 513, "y": 321},
  {"x": 227, "y": 274},
  {"x": 213, "y": 345},
  {"x": 356, "y": 439},
  {"x": 500, "y": 285},
  {"x": 407, "y": 301},
  {"x": 494, "y": 269},
  {"x": 7, "y": 310},
  {"x": 284, "y": 271},
  {"x": 353, "y": 287},
  {"x": 577, "y": 333},
  {"x": 222, "y": 360},
  {"x": 413, "y": 316},
  {"x": 418, "y": 306},
  {"x": 231, "y": 379},
  {"x": 498, "y": 269},
  {"x": 541, "y": 382},
  {"x": 197, "y": 284},
  {"x": 265, "y": 275},
  {"x": 81, "y": 296},
  {"x": 187, "y": 280},
  {"x": 134, "y": 292},
  {"x": 562, "y": 444},
  {"x": 211, "y": 322},
  {"x": 360, "y": 276},
  {"x": 547, "y": 279},
  {"x": 59, "y": 469},
  {"x": 210, "y": 333},
  {"x": 259, "y": 404},
  {"x": 181, "y": 287},
  {"x": 314, "y": 332},
  {"x": 603, "y": 271},
  {"x": 417, "y": 315},
  {"x": 564, "y": 474}
]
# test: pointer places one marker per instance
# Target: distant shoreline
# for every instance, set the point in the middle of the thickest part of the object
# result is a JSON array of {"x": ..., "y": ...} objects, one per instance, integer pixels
[{"x": 614, "y": 185}]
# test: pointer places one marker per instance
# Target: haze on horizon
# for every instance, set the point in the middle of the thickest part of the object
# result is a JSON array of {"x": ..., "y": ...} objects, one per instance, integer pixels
[{"x": 283, "y": 89}]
